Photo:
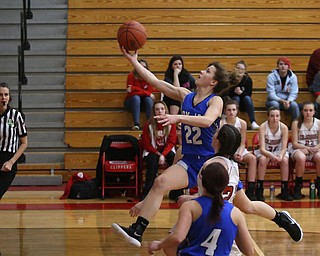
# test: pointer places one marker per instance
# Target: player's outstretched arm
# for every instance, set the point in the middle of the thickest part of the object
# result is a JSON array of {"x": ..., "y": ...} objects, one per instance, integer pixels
[
  {"x": 169, "y": 90},
  {"x": 243, "y": 238}
]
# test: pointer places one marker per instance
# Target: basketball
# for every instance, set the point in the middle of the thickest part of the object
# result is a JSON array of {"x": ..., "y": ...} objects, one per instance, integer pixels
[{"x": 132, "y": 35}]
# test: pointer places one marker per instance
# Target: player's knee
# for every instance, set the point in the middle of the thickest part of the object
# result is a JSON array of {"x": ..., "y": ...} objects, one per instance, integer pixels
[
  {"x": 248, "y": 208},
  {"x": 252, "y": 158},
  {"x": 159, "y": 184}
]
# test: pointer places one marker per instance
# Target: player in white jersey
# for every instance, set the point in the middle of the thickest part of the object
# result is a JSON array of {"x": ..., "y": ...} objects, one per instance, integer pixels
[
  {"x": 273, "y": 142},
  {"x": 231, "y": 110},
  {"x": 305, "y": 145}
]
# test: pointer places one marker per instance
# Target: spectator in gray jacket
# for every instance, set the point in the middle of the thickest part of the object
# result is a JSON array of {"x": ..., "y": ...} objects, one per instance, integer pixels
[{"x": 282, "y": 88}]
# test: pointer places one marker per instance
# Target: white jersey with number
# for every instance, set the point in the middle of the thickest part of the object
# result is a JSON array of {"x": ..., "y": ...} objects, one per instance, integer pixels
[
  {"x": 309, "y": 137},
  {"x": 233, "y": 171},
  {"x": 272, "y": 141}
]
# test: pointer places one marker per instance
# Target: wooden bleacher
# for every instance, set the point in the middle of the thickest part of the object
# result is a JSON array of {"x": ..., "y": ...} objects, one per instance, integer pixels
[{"x": 201, "y": 31}]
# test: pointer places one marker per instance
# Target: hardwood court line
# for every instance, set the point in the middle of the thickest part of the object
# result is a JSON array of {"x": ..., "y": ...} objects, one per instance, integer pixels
[
  {"x": 257, "y": 249},
  {"x": 57, "y": 204}
]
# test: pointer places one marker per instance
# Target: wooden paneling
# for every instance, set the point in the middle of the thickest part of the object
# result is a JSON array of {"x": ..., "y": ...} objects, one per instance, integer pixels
[
  {"x": 129, "y": 4},
  {"x": 259, "y": 98},
  {"x": 97, "y": 99},
  {"x": 96, "y": 81},
  {"x": 196, "y": 47},
  {"x": 122, "y": 119},
  {"x": 190, "y": 16},
  {"x": 40, "y": 166},
  {"x": 203, "y": 31},
  {"x": 100, "y": 119},
  {"x": 118, "y": 81},
  {"x": 261, "y": 116},
  {"x": 81, "y": 160},
  {"x": 192, "y": 63},
  {"x": 116, "y": 99},
  {"x": 92, "y": 139}
]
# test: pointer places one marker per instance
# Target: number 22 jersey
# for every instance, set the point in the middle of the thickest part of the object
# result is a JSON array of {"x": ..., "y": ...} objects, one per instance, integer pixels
[{"x": 197, "y": 140}]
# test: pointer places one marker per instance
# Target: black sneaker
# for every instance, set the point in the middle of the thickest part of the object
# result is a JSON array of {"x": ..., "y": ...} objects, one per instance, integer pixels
[
  {"x": 297, "y": 195},
  {"x": 259, "y": 194},
  {"x": 130, "y": 235},
  {"x": 318, "y": 188},
  {"x": 291, "y": 226},
  {"x": 251, "y": 195},
  {"x": 286, "y": 196}
]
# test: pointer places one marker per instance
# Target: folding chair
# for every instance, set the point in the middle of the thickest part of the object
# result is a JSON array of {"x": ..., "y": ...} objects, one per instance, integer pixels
[{"x": 120, "y": 160}]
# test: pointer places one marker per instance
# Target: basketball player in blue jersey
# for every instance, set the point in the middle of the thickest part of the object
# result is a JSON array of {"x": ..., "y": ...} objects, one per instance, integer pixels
[
  {"x": 200, "y": 118},
  {"x": 226, "y": 142},
  {"x": 207, "y": 225}
]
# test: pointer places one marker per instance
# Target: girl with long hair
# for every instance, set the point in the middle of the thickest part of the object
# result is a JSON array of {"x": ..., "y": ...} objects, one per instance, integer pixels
[
  {"x": 158, "y": 143},
  {"x": 305, "y": 133},
  {"x": 13, "y": 139},
  {"x": 200, "y": 118},
  {"x": 177, "y": 75}
]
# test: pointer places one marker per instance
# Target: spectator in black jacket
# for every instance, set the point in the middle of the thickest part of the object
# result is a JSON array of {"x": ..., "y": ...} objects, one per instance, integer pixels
[
  {"x": 177, "y": 75},
  {"x": 242, "y": 92}
]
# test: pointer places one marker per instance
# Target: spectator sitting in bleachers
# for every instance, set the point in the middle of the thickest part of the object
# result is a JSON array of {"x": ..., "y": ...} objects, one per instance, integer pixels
[
  {"x": 158, "y": 143},
  {"x": 312, "y": 70},
  {"x": 177, "y": 75},
  {"x": 231, "y": 110},
  {"x": 273, "y": 142},
  {"x": 305, "y": 135},
  {"x": 242, "y": 92},
  {"x": 282, "y": 88},
  {"x": 139, "y": 96},
  {"x": 313, "y": 78}
]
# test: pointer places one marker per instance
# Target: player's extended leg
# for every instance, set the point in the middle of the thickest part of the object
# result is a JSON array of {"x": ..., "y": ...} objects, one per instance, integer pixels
[
  {"x": 175, "y": 177},
  {"x": 282, "y": 219}
]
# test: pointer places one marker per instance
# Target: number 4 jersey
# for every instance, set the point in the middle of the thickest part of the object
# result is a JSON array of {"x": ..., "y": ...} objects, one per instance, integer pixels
[{"x": 205, "y": 238}]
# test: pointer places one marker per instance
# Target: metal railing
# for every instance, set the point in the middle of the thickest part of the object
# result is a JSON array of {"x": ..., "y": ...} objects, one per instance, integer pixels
[{"x": 24, "y": 45}]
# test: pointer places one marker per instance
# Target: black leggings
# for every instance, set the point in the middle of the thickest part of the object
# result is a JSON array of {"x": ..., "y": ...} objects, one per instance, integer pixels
[
  {"x": 6, "y": 178},
  {"x": 152, "y": 166}
]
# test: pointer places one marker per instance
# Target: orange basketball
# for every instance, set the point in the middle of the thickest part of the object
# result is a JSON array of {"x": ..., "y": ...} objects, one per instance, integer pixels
[{"x": 132, "y": 35}]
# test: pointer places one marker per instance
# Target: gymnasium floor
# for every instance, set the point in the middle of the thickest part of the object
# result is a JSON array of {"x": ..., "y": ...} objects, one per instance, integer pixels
[{"x": 33, "y": 221}]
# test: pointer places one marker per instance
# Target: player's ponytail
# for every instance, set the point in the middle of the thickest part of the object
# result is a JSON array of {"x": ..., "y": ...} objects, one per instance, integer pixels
[
  {"x": 230, "y": 139},
  {"x": 215, "y": 178}
]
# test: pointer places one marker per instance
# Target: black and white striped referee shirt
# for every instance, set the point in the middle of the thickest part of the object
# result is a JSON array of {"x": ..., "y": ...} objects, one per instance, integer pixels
[{"x": 12, "y": 127}]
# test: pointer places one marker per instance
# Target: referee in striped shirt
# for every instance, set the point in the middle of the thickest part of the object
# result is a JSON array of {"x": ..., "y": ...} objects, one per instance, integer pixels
[{"x": 13, "y": 139}]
